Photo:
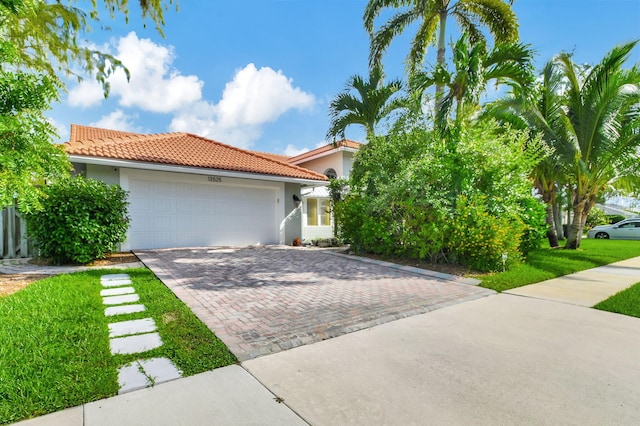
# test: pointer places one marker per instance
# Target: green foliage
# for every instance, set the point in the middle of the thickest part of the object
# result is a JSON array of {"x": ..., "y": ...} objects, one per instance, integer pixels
[
  {"x": 480, "y": 239},
  {"x": 535, "y": 226},
  {"x": 27, "y": 157},
  {"x": 596, "y": 217},
  {"x": 81, "y": 220},
  {"x": 48, "y": 35},
  {"x": 412, "y": 195}
]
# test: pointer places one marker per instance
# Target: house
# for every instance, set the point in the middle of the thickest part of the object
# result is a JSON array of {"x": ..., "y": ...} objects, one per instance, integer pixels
[
  {"x": 333, "y": 161},
  {"x": 186, "y": 190}
]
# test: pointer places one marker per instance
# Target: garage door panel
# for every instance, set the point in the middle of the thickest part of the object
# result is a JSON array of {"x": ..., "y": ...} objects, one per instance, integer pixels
[{"x": 178, "y": 214}]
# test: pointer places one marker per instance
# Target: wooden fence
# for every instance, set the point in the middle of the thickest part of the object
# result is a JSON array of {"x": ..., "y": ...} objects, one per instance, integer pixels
[{"x": 13, "y": 243}]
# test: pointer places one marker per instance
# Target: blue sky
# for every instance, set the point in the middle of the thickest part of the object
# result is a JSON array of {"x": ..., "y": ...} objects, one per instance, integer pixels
[{"x": 260, "y": 74}]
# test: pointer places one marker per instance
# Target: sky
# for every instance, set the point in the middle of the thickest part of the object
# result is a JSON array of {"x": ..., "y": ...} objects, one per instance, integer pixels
[{"x": 260, "y": 74}]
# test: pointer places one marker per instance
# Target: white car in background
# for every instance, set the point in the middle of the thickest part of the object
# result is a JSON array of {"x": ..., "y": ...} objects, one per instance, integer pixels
[{"x": 628, "y": 229}]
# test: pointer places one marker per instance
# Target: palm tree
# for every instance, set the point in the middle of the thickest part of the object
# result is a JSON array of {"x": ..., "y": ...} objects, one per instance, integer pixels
[
  {"x": 495, "y": 15},
  {"x": 475, "y": 69},
  {"x": 600, "y": 127},
  {"x": 372, "y": 101}
]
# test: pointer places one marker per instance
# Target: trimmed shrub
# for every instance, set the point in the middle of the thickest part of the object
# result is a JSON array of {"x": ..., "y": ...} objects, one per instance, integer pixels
[
  {"x": 596, "y": 217},
  {"x": 81, "y": 220}
]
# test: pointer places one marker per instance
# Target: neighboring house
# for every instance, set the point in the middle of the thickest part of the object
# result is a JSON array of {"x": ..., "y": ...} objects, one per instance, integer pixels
[
  {"x": 333, "y": 161},
  {"x": 186, "y": 190}
]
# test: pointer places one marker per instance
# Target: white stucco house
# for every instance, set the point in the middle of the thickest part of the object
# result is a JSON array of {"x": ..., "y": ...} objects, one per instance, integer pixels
[{"x": 187, "y": 191}]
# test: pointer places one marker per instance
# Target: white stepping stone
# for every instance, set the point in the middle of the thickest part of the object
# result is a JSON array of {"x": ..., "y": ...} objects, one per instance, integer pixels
[
  {"x": 135, "y": 344},
  {"x": 130, "y": 378},
  {"x": 144, "y": 373},
  {"x": 115, "y": 283},
  {"x": 125, "y": 309},
  {"x": 114, "y": 277},
  {"x": 160, "y": 369},
  {"x": 117, "y": 291},
  {"x": 120, "y": 300},
  {"x": 139, "y": 326}
]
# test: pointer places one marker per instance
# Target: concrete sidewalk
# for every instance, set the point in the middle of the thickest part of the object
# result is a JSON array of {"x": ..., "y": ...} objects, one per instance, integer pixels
[
  {"x": 585, "y": 288},
  {"x": 499, "y": 360},
  {"x": 225, "y": 396}
]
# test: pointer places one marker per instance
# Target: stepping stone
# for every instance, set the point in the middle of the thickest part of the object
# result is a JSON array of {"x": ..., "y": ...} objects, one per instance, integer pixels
[
  {"x": 120, "y": 300},
  {"x": 125, "y": 309},
  {"x": 135, "y": 344},
  {"x": 117, "y": 291},
  {"x": 145, "y": 373},
  {"x": 114, "y": 277},
  {"x": 139, "y": 326},
  {"x": 130, "y": 378},
  {"x": 160, "y": 369},
  {"x": 115, "y": 283}
]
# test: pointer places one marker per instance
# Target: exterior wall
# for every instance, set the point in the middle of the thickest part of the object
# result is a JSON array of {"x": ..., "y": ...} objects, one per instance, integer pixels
[
  {"x": 331, "y": 161},
  {"x": 347, "y": 163},
  {"x": 109, "y": 175},
  {"x": 315, "y": 232},
  {"x": 292, "y": 214}
]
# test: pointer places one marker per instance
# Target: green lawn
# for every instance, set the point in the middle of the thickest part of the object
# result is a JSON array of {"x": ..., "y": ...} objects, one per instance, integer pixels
[
  {"x": 626, "y": 302},
  {"x": 54, "y": 350},
  {"x": 546, "y": 263}
]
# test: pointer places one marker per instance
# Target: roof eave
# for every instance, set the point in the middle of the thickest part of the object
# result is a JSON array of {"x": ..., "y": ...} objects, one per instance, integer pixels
[
  {"x": 192, "y": 170},
  {"x": 323, "y": 154}
]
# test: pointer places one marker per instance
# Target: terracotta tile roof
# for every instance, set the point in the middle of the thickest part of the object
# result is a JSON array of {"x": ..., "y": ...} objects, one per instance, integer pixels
[
  {"x": 81, "y": 133},
  {"x": 279, "y": 157},
  {"x": 346, "y": 143},
  {"x": 181, "y": 149}
]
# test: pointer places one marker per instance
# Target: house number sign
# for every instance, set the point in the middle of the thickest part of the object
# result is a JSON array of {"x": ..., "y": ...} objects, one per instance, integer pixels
[{"x": 216, "y": 179}]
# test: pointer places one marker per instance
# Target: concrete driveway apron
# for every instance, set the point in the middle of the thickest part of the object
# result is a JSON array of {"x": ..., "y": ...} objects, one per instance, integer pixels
[{"x": 263, "y": 300}]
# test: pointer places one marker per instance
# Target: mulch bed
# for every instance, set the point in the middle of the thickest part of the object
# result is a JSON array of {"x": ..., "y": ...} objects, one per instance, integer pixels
[{"x": 10, "y": 283}]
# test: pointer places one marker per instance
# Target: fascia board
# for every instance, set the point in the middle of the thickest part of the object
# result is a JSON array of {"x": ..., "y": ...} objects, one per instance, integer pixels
[{"x": 191, "y": 170}]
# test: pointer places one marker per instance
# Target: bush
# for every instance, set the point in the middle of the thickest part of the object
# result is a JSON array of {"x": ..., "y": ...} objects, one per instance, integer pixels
[
  {"x": 533, "y": 216},
  {"x": 595, "y": 217},
  {"x": 81, "y": 220},
  {"x": 479, "y": 239}
]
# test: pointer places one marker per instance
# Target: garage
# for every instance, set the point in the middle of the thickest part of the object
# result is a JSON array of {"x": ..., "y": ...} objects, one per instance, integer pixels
[
  {"x": 189, "y": 191},
  {"x": 174, "y": 210}
]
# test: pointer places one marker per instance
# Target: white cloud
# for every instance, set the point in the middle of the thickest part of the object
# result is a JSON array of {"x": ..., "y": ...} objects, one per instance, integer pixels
[
  {"x": 118, "y": 120},
  {"x": 292, "y": 151},
  {"x": 86, "y": 94},
  {"x": 253, "y": 98},
  {"x": 154, "y": 85}
]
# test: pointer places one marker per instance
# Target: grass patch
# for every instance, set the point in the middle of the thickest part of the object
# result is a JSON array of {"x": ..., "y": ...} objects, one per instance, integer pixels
[
  {"x": 626, "y": 302},
  {"x": 545, "y": 263},
  {"x": 55, "y": 342}
]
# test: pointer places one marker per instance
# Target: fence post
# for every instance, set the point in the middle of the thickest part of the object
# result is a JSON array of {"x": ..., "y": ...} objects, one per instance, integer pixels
[
  {"x": 11, "y": 227},
  {"x": 4, "y": 231}
]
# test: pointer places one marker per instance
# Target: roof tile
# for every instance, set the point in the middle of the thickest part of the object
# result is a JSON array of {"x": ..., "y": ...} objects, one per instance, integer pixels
[{"x": 181, "y": 149}]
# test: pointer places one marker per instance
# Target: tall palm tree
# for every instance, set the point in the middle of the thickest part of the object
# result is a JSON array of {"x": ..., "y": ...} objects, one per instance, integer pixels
[
  {"x": 432, "y": 15},
  {"x": 600, "y": 126},
  {"x": 372, "y": 101}
]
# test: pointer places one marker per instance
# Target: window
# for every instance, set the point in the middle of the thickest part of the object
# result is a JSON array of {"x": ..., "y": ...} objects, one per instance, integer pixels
[
  {"x": 318, "y": 212},
  {"x": 330, "y": 173}
]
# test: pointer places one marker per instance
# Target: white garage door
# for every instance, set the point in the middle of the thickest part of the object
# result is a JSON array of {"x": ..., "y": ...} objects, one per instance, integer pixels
[{"x": 167, "y": 214}]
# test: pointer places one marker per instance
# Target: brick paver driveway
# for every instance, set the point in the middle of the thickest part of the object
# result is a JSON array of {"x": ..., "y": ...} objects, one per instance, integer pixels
[{"x": 262, "y": 300}]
